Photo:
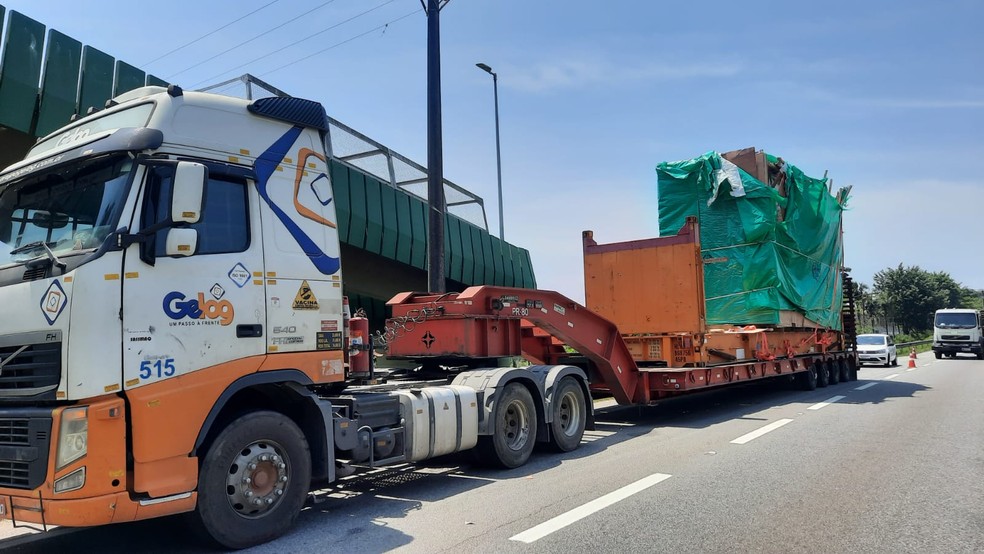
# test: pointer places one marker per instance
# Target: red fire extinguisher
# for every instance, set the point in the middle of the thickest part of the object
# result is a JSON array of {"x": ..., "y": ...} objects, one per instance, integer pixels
[{"x": 360, "y": 349}]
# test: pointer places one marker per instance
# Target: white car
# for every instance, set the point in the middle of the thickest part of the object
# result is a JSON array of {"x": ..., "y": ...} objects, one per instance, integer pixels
[{"x": 877, "y": 349}]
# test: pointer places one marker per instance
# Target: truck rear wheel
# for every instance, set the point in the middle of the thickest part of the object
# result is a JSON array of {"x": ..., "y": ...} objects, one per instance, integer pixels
[
  {"x": 570, "y": 414},
  {"x": 514, "y": 435},
  {"x": 852, "y": 369},
  {"x": 833, "y": 371},
  {"x": 807, "y": 380},
  {"x": 845, "y": 372},
  {"x": 823, "y": 377},
  {"x": 254, "y": 480}
]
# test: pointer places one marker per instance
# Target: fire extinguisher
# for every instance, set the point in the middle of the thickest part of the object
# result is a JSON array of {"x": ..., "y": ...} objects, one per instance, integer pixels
[{"x": 360, "y": 349}]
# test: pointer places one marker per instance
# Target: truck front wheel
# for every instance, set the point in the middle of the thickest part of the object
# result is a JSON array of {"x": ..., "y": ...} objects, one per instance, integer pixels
[
  {"x": 254, "y": 480},
  {"x": 514, "y": 434}
]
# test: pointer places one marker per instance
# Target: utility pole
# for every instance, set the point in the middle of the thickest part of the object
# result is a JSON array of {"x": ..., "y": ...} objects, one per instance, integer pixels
[
  {"x": 435, "y": 156},
  {"x": 498, "y": 153}
]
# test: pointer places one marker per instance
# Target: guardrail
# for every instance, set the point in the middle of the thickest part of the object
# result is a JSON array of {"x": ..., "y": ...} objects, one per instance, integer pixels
[{"x": 913, "y": 343}]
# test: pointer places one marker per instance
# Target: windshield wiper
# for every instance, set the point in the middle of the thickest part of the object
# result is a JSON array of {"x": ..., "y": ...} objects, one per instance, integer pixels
[
  {"x": 29, "y": 246},
  {"x": 32, "y": 245}
]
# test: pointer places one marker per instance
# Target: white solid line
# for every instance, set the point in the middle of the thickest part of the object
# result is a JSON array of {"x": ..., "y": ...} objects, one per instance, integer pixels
[
  {"x": 759, "y": 432},
  {"x": 583, "y": 511},
  {"x": 867, "y": 386},
  {"x": 911, "y": 369},
  {"x": 826, "y": 402},
  {"x": 892, "y": 376}
]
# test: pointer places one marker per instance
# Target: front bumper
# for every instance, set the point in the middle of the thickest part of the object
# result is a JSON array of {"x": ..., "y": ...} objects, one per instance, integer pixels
[
  {"x": 84, "y": 512},
  {"x": 955, "y": 347},
  {"x": 873, "y": 358}
]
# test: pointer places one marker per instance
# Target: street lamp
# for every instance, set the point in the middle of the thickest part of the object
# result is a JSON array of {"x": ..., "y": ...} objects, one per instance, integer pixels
[{"x": 498, "y": 155}]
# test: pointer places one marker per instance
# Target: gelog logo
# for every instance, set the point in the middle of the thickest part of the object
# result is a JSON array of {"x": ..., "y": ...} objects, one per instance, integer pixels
[{"x": 199, "y": 310}]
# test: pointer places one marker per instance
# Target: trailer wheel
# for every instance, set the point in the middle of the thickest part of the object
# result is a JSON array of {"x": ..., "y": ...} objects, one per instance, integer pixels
[
  {"x": 852, "y": 369},
  {"x": 823, "y": 377},
  {"x": 253, "y": 481},
  {"x": 833, "y": 371},
  {"x": 570, "y": 414},
  {"x": 845, "y": 372},
  {"x": 808, "y": 379},
  {"x": 514, "y": 437}
]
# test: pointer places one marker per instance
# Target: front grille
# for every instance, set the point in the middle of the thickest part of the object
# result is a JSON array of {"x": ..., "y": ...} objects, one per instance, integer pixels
[
  {"x": 15, "y": 431},
  {"x": 24, "y": 445},
  {"x": 954, "y": 337},
  {"x": 30, "y": 365},
  {"x": 15, "y": 474}
]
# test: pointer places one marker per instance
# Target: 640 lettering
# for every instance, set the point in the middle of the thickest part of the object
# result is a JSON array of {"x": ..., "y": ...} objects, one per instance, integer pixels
[{"x": 199, "y": 310}]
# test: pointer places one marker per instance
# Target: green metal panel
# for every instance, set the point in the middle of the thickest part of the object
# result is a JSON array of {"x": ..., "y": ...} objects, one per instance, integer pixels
[
  {"x": 390, "y": 223},
  {"x": 418, "y": 215},
  {"x": 374, "y": 216},
  {"x": 97, "y": 79},
  {"x": 341, "y": 190},
  {"x": 21, "y": 71},
  {"x": 357, "y": 201},
  {"x": 127, "y": 78},
  {"x": 404, "y": 227},
  {"x": 154, "y": 80},
  {"x": 60, "y": 84},
  {"x": 452, "y": 238},
  {"x": 467, "y": 253},
  {"x": 517, "y": 262},
  {"x": 478, "y": 276},
  {"x": 498, "y": 270},
  {"x": 529, "y": 278},
  {"x": 489, "y": 278}
]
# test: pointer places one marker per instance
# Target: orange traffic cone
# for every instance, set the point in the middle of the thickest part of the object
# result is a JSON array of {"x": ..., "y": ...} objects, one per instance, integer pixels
[{"x": 912, "y": 358}]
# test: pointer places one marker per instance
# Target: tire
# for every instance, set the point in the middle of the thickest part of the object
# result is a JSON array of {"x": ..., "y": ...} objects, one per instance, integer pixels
[
  {"x": 823, "y": 377},
  {"x": 246, "y": 464},
  {"x": 895, "y": 361},
  {"x": 845, "y": 372},
  {"x": 807, "y": 380},
  {"x": 833, "y": 371},
  {"x": 514, "y": 434},
  {"x": 570, "y": 414},
  {"x": 852, "y": 370},
  {"x": 938, "y": 354}
]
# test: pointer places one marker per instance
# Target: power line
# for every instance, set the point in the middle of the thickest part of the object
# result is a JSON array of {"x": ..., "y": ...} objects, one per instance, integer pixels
[
  {"x": 374, "y": 29},
  {"x": 264, "y": 33},
  {"x": 206, "y": 35},
  {"x": 296, "y": 42}
]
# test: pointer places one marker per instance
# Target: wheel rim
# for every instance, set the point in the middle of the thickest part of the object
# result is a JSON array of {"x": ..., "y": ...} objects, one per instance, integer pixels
[
  {"x": 569, "y": 413},
  {"x": 257, "y": 478},
  {"x": 516, "y": 425}
]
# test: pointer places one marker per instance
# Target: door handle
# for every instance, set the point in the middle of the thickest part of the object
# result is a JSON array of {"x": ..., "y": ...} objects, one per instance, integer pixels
[{"x": 249, "y": 331}]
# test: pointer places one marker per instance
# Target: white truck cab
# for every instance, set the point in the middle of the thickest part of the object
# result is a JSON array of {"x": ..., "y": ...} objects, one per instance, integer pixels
[{"x": 957, "y": 330}]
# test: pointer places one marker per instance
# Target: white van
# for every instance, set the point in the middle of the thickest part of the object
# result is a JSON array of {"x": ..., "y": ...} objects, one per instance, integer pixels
[{"x": 957, "y": 330}]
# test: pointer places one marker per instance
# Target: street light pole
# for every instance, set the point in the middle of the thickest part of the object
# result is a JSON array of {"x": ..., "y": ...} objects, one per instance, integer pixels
[{"x": 498, "y": 154}]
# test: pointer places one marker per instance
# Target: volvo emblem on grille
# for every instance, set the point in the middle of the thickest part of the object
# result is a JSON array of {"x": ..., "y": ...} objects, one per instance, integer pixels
[{"x": 4, "y": 361}]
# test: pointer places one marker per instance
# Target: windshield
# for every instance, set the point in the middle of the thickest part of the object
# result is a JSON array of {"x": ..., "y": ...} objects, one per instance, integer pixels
[
  {"x": 871, "y": 340},
  {"x": 70, "y": 209},
  {"x": 964, "y": 320}
]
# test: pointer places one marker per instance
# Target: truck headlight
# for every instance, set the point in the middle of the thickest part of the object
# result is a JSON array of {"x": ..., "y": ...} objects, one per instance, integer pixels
[{"x": 73, "y": 436}]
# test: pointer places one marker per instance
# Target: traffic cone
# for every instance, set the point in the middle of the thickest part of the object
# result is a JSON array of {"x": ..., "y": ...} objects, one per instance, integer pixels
[{"x": 912, "y": 358}]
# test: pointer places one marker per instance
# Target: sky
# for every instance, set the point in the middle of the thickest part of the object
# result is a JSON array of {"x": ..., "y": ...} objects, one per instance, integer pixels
[{"x": 885, "y": 96}]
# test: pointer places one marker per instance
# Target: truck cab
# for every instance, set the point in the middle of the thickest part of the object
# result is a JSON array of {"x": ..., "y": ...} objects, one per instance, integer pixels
[
  {"x": 957, "y": 330},
  {"x": 150, "y": 255}
]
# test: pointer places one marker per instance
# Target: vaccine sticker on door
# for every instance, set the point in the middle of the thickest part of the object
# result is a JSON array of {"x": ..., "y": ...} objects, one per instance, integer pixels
[{"x": 53, "y": 302}]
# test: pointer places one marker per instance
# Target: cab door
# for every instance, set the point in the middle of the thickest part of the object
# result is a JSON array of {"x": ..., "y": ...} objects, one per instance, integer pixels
[{"x": 199, "y": 307}]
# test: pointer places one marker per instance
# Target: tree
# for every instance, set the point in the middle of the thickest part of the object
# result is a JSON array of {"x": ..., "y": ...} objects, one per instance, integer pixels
[{"x": 909, "y": 294}]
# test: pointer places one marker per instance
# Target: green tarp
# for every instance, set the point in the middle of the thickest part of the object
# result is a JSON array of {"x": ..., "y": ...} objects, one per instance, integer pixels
[{"x": 763, "y": 252}]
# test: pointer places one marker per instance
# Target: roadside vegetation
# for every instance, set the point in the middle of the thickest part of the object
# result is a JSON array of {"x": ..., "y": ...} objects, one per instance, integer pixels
[{"x": 902, "y": 301}]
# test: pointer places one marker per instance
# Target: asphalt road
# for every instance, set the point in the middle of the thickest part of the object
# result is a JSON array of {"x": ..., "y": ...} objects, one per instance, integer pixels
[{"x": 891, "y": 463}]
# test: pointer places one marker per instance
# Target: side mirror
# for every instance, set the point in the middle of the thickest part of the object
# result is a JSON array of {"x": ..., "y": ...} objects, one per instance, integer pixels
[
  {"x": 181, "y": 242},
  {"x": 189, "y": 192}
]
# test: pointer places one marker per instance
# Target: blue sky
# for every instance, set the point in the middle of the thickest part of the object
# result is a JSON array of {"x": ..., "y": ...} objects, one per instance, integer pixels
[{"x": 887, "y": 97}]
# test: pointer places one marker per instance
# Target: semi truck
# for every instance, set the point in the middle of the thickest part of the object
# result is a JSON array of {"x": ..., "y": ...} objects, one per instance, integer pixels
[{"x": 174, "y": 335}]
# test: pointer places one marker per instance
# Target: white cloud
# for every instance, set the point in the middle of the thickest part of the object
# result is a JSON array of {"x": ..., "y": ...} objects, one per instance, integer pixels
[{"x": 598, "y": 70}]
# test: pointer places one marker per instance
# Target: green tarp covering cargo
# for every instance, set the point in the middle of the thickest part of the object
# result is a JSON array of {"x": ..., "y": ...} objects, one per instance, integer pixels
[{"x": 770, "y": 237}]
